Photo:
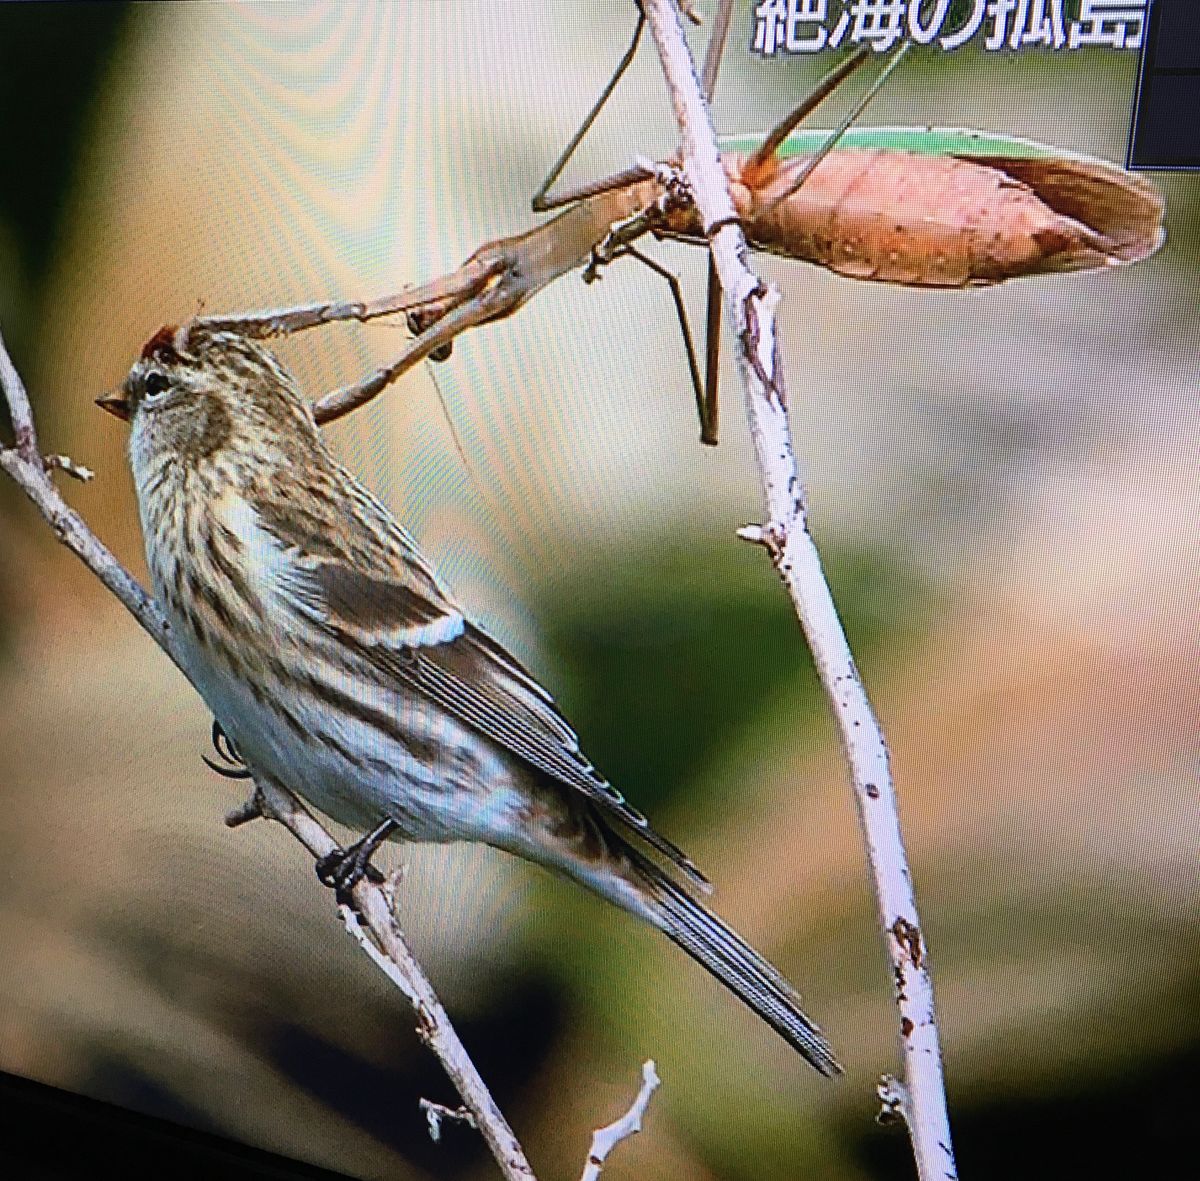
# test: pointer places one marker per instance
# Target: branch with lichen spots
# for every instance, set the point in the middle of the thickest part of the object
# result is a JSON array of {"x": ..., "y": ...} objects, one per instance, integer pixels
[{"x": 750, "y": 307}]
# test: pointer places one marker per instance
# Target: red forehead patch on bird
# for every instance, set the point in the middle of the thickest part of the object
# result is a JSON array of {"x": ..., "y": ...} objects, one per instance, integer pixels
[{"x": 161, "y": 346}]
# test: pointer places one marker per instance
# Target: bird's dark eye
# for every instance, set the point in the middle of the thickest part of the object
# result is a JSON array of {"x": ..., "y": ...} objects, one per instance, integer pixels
[{"x": 156, "y": 383}]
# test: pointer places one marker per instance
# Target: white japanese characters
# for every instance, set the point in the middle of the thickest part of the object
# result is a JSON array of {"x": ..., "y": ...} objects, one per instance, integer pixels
[{"x": 809, "y": 26}]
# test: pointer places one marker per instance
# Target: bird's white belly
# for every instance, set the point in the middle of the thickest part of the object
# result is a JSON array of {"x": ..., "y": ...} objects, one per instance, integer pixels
[{"x": 440, "y": 783}]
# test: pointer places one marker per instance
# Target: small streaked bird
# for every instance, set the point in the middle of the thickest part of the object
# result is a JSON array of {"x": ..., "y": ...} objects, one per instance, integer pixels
[{"x": 340, "y": 668}]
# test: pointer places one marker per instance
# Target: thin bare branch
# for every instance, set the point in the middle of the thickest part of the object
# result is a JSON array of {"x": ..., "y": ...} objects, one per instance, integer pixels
[
  {"x": 605, "y": 1139},
  {"x": 750, "y": 306},
  {"x": 20, "y": 413},
  {"x": 382, "y": 938},
  {"x": 389, "y": 951},
  {"x": 66, "y": 465}
]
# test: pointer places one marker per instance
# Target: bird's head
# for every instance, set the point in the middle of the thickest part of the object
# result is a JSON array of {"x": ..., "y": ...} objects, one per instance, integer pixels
[{"x": 198, "y": 394}]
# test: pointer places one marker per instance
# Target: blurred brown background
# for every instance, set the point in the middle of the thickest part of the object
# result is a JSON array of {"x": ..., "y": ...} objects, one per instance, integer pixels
[{"x": 1004, "y": 484}]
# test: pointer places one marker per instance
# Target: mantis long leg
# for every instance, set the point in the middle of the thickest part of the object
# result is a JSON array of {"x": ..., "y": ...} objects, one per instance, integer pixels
[
  {"x": 766, "y": 151},
  {"x": 715, "y": 50},
  {"x": 467, "y": 282},
  {"x": 709, "y": 403},
  {"x": 844, "y": 126},
  {"x": 542, "y": 202},
  {"x": 823, "y": 89},
  {"x": 707, "y": 398},
  {"x": 707, "y": 424},
  {"x": 815, "y": 97},
  {"x": 712, "y": 356},
  {"x": 706, "y": 395},
  {"x": 487, "y": 305}
]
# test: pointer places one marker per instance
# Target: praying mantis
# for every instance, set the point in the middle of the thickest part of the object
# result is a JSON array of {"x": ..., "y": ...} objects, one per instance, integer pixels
[{"x": 922, "y": 207}]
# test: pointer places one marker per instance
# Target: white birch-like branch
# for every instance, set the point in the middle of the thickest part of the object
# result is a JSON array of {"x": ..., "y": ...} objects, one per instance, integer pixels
[
  {"x": 605, "y": 1139},
  {"x": 750, "y": 307},
  {"x": 377, "y": 931}
]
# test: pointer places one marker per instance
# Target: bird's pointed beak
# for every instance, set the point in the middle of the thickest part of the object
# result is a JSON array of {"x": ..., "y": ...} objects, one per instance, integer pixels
[{"x": 116, "y": 403}]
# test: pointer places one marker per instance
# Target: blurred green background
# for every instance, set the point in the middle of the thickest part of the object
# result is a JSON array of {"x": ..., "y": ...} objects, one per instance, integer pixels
[{"x": 1003, "y": 484}]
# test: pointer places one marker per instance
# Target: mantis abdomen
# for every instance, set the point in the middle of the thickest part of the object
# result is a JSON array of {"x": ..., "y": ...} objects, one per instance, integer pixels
[{"x": 946, "y": 220}]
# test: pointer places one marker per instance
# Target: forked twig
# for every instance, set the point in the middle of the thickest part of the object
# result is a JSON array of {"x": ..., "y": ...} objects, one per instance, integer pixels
[
  {"x": 436, "y": 1112},
  {"x": 605, "y": 1139},
  {"x": 750, "y": 307}
]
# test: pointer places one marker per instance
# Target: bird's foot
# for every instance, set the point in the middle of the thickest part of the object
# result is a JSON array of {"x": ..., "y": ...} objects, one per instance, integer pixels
[{"x": 343, "y": 869}]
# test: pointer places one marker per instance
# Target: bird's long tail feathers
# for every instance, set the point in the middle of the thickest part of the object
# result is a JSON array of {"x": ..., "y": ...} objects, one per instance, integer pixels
[{"x": 733, "y": 962}]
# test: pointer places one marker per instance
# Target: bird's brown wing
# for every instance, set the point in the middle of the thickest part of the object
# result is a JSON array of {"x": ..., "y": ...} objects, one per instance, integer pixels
[
  {"x": 410, "y": 632},
  {"x": 476, "y": 680}
]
